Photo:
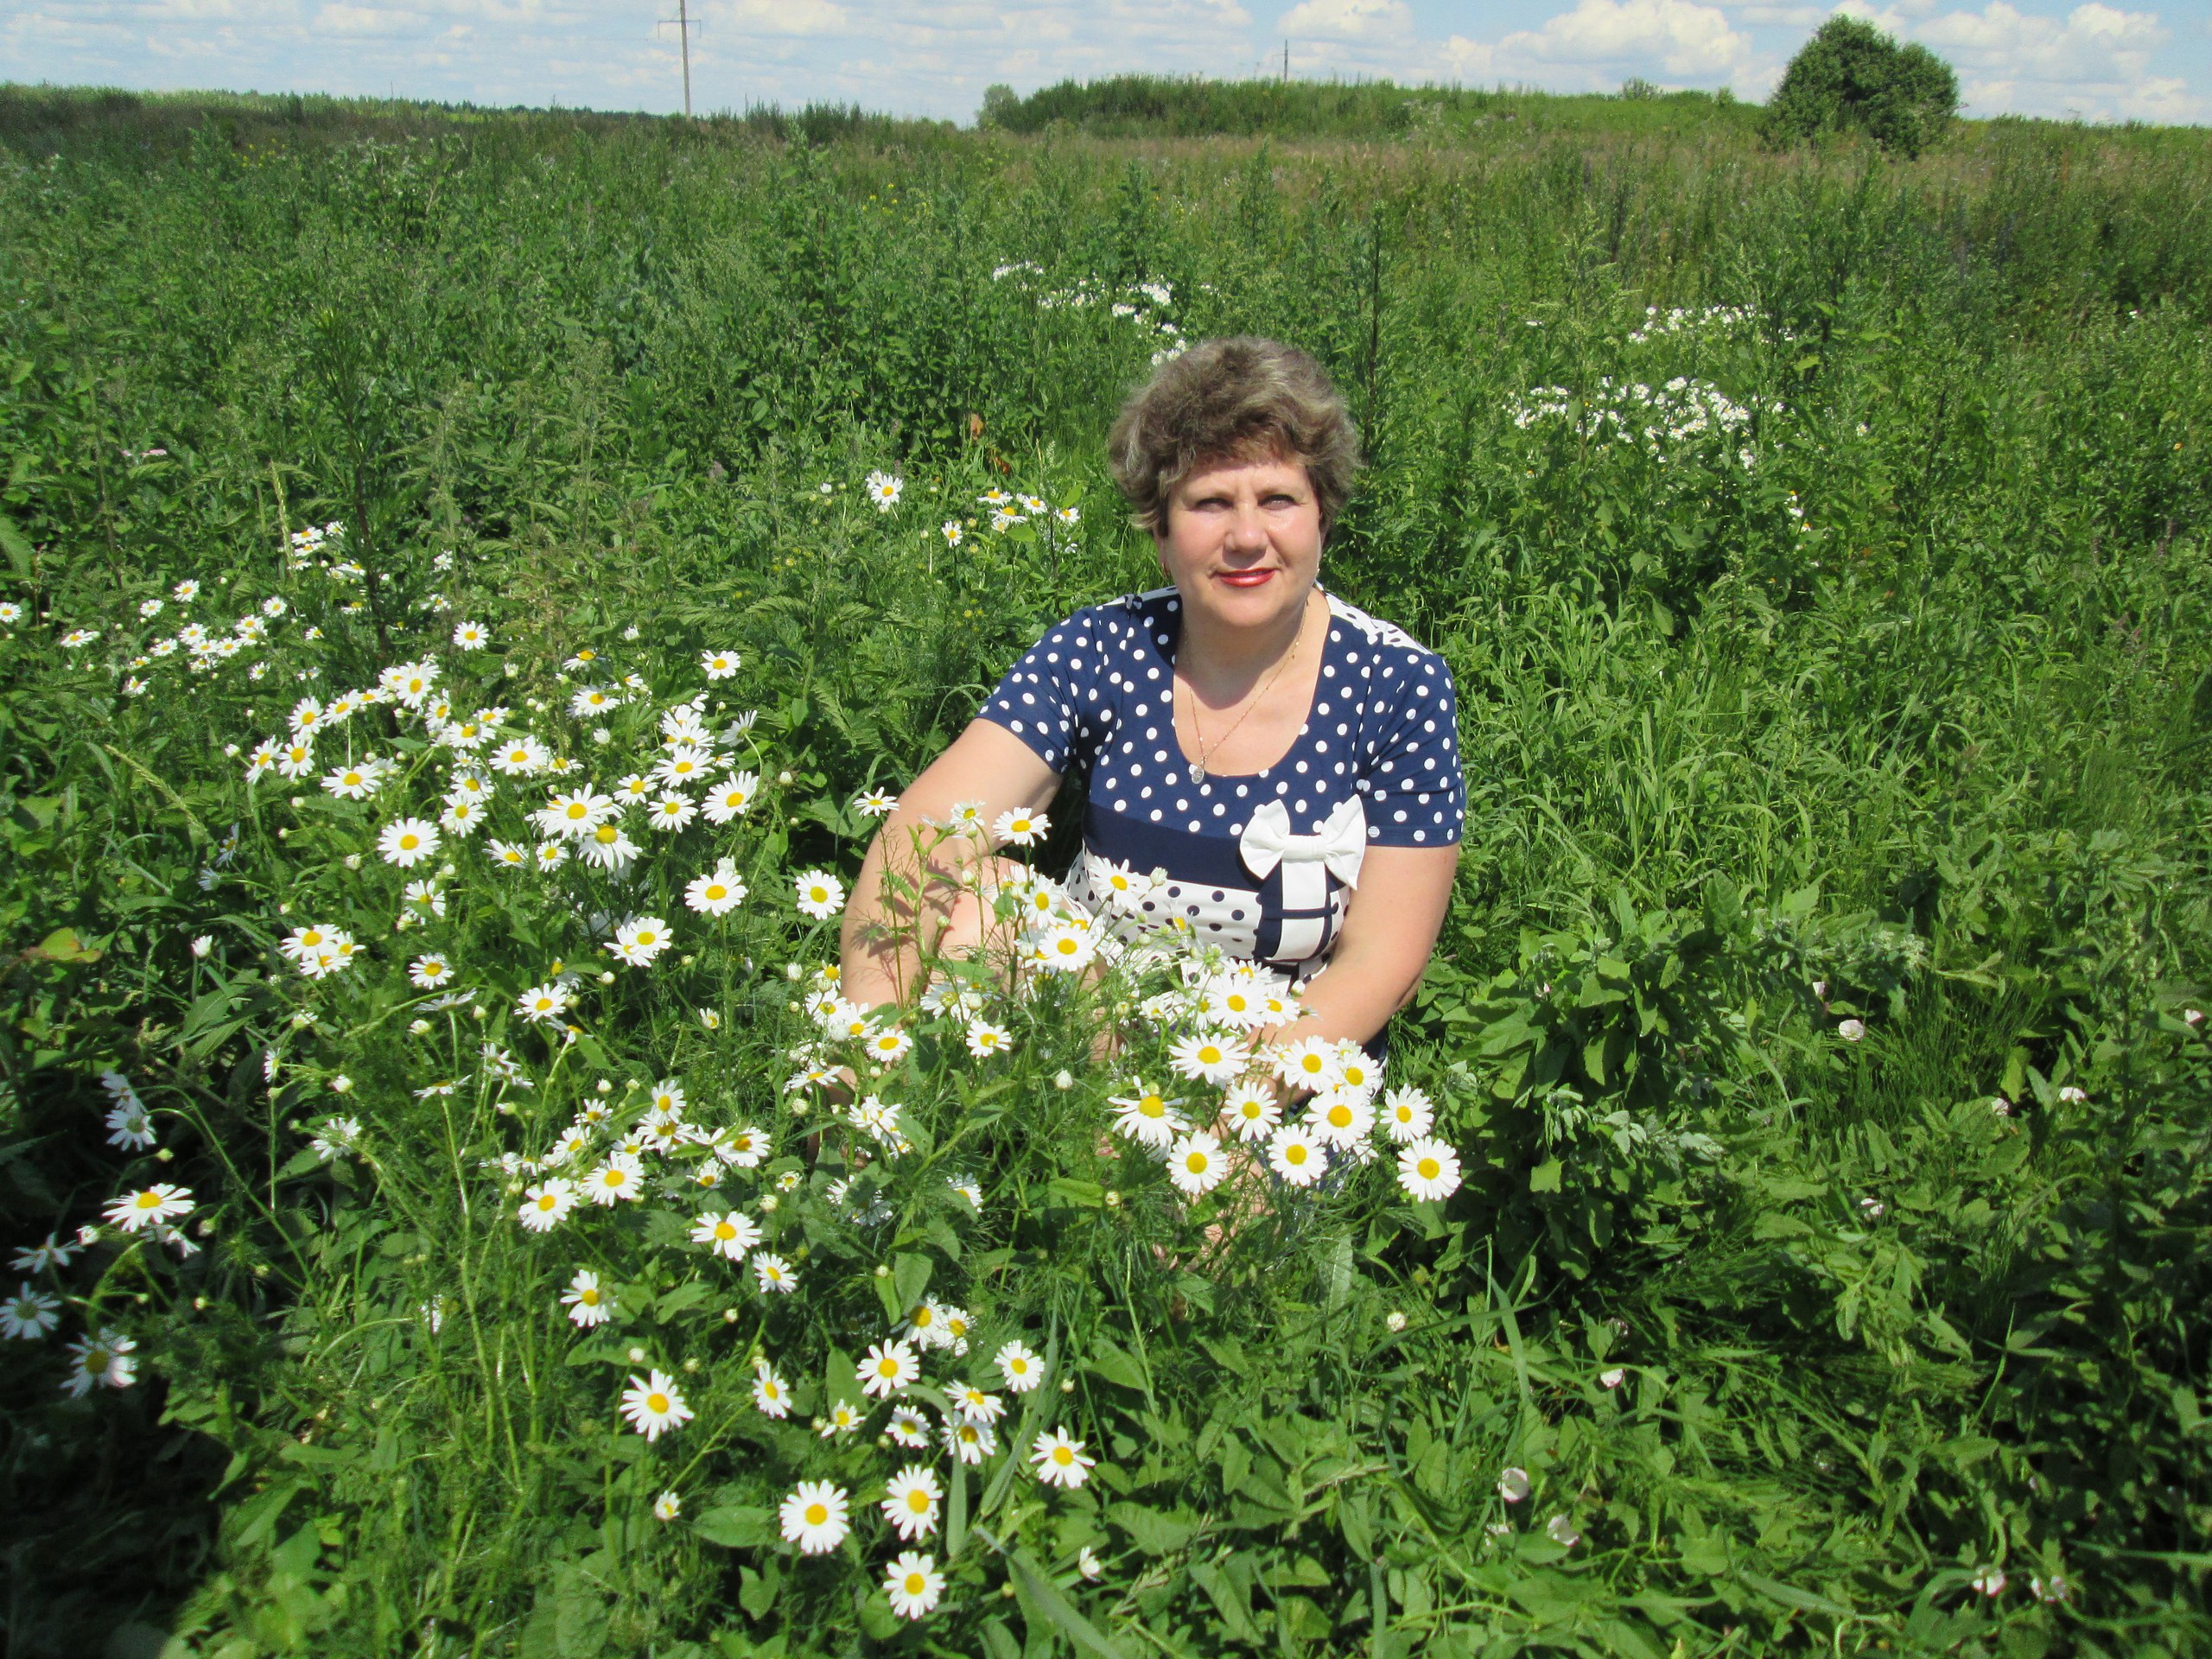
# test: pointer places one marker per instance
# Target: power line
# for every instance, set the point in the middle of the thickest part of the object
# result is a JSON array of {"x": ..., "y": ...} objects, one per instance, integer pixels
[{"x": 684, "y": 28}]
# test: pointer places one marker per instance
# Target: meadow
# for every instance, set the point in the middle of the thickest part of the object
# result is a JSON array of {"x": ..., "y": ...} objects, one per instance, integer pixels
[{"x": 429, "y": 1232}]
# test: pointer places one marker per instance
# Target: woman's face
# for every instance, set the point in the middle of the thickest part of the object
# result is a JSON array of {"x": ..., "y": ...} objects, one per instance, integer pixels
[{"x": 1243, "y": 543}]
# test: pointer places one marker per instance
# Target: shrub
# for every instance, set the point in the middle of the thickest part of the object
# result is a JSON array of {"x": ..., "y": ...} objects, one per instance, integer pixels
[{"x": 1850, "y": 77}]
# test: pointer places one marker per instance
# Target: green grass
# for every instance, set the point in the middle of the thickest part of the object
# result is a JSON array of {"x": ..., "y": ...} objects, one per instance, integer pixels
[{"x": 1915, "y": 709}]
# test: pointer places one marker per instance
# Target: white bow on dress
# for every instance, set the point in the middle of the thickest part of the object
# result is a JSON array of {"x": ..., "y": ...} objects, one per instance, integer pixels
[
  {"x": 1307, "y": 862},
  {"x": 1339, "y": 845}
]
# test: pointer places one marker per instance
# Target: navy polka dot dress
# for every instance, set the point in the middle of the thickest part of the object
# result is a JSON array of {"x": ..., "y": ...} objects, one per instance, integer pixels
[{"x": 1258, "y": 862}]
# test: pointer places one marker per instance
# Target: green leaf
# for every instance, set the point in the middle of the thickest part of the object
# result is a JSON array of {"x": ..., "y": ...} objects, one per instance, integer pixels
[
  {"x": 1152, "y": 1531},
  {"x": 63, "y": 945},
  {"x": 910, "y": 1277},
  {"x": 1115, "y": 1366},
  {"x": 736, "y": 1526},
  {"x": 1790, "y": 1595},
  {"x": 1042, "y": 1595},
  {"x": 1082, "y": 1195},
  {"x": 1544, "y": 1178}
]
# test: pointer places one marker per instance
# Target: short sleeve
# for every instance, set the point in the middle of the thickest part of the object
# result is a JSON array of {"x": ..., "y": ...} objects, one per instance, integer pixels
[
  {"x": 1416, "y": 793},
  {"x": 1049, "y": 698}
]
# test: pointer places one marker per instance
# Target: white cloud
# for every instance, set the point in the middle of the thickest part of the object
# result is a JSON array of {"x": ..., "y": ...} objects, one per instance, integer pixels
[
  {"x": 776, "y": 16},
  {"x": 2095, "y": 62},
  {"x": 2101, "y": 58},
  {"x": 1390, "y": 20},
  {"x": 1688, "y": 41}
]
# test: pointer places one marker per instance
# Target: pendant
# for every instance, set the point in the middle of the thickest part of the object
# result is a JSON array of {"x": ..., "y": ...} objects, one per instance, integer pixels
[{"x": 1198, "y": 772}]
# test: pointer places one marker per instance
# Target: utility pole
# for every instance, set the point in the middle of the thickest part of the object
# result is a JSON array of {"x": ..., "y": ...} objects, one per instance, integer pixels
[
  {"x": 683, "y": 21},
  {"x": 1285, "y": 63}
]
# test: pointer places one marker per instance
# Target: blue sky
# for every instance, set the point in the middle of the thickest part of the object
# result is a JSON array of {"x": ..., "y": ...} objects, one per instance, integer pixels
[{"x": 2145, "y": 59}]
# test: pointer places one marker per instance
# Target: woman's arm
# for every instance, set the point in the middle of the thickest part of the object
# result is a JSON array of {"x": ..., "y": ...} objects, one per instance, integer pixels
[
  {"x": 1389, "y": 931},
  {"x": 881, "y": 940}
]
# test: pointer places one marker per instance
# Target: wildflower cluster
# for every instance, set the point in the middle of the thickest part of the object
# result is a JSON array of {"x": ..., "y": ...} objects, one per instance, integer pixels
[
  {"x": 1660, "y": 421},
  {"x": 1736, "y": 320},
  {"x": 1149, "y": 306}
]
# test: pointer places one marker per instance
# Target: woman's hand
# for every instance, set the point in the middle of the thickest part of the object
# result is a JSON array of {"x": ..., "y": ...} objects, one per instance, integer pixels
[{"x": 890, "y": 925}]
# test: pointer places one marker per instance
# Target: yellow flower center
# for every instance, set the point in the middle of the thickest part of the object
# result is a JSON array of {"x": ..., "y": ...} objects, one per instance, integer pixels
[
  {"x": 605, "y": 835},
  {"x": 916, "y": 1584},
  {"x": 817, "y": 1513},
  {"x": 1196, "y": 1163},
  {"x": 918, "y": 1501},
  {"x": 1294, "y": 1153},
  {"x": 1062, "y": 1456},
  {"x": 657, "y": 1402},
  {"x": 577, "y": 810},
  {"x": 1429, "y": 1169},
  {"x": 724, "y": 1230},
  {"x": 1339, "y": 1117}
]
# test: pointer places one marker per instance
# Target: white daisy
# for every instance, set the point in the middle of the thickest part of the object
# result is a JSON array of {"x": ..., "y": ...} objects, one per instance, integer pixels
[
  {"x": 1061, "y": 1460},
  {"x": 729, "y": 1235},
  {"x": 1020, "y": 826},
  {"x": 1339, "y": 1118},
  {"x": 546, "y": 1206},
  {"x": 1206, "y": 1057},
  {"x": 912, "y": 1584},
  {"x": 821, "y": 895},
  {"x": 1251, "y": 1110},
  {"x": 1296, "y": 1156},
  {"x": 1194, "y": 1164},
  {"x": 1020, "y": 1367},
  {"x": 890, "y": 1368},
  {"x": 29, "y": 1314},
  {"x": 1428, "y": 1170},
  {"x": 620, "y": 1180},
  {"x": 718, "y": 665},
  {"x": 813, "y": 1517},
  {"x": 587, "y": 1303},
  {"x": 771, "y": 1394},
  {"x": 640, "y": 940},
  {"x": 728, "y": 799},
  {"x": 985, "y": 1040},
  {"x": 104, "y": 1360},
  {"x": 775, "y": 1274},
  {"x": 910, "y": 1501},
  {"x": 1407, "y": 1113},
  {"x": 970, "y": 1442},
  {"x": 1147, "y": 1116},
  {"x": 160, "y": 1205},
  {"x": 544, "y": 1004},
  {"x": 408, "y": 841},
  {"x": 1309, "y": 1063},
  {"x": 653, "y": 1405}
]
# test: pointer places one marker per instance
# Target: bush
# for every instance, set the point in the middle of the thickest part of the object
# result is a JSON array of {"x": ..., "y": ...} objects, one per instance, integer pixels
[{"x": 1850, "y": 77}]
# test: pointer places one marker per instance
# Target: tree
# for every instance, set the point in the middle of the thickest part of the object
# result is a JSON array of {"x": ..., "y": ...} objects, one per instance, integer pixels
[
  {"x": 998, "y": 99},
  {"x": 1850, "y": 77}
]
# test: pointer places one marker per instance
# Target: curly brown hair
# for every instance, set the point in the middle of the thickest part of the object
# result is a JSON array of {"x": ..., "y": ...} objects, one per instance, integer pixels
[{"x": 1242, "y": 398}]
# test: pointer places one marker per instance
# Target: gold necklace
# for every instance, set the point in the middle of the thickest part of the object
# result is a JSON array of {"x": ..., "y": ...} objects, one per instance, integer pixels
[{"x": 1197, "y": 768}]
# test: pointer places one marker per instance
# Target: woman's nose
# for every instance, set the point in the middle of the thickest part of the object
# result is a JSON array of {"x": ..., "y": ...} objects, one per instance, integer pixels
[{"x": 1247, "y": 528}]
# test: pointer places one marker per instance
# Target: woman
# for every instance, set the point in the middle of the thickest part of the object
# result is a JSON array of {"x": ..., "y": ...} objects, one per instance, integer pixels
[{"x": 1289, "y": 762}]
